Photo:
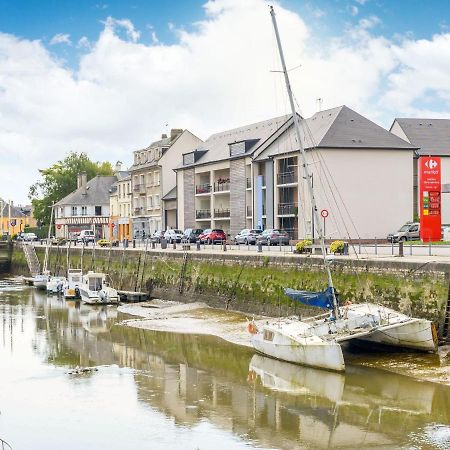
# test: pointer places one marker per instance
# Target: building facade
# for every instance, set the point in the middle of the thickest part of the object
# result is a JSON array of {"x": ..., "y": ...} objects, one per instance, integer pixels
[
  {"x": 252, "y": 176},
  {"x": 153, "y": 181},
  {"x": 14, "y": 219},
  {"x": 86, "y": 208},
  {"x": 120, "y": 206}
]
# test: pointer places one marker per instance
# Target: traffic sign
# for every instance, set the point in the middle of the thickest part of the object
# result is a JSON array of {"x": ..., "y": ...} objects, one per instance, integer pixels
[
  {"x": 13, "y": 222},
  {"x": 58, "y": 226},
  {"x": 324, "y": 213}
]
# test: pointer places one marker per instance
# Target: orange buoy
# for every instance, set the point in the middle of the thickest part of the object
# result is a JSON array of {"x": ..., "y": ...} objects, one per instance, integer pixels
[{"x": 251, "y": 327}]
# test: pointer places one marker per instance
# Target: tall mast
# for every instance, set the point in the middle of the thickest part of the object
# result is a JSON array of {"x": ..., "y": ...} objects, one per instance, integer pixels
[
  {"x": 304, "y": 163},
  {"x": 48, "y": 240}
]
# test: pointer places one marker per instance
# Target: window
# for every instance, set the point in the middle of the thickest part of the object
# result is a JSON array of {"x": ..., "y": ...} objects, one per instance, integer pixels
[
  {"x": 98, "y": 210},
  {"x": 156, "y": 178},
  {"x": 237, "y": 148},
  {"x": 150, "y": 202},
  {"x": 74, "y": 211},
  {"x": 188, "y": 159},
  {"x": 268, "y": 335},
  {"x": 84, "y": 210},
  {"x": 156, "y": 200},
  {"x": 150, "y": 179}
]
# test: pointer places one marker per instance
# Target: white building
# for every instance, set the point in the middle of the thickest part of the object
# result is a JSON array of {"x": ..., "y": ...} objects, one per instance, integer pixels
[{"x": 86, "y": 208}]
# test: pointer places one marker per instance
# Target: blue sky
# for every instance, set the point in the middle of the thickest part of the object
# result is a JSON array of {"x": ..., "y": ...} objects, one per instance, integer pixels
[{"x": 106, "y": 77}]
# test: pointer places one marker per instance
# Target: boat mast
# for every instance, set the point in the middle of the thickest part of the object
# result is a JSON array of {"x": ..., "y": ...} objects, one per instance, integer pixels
[
  {"x": 304, "y": 163},
  {"x": 48, "y": 240}
]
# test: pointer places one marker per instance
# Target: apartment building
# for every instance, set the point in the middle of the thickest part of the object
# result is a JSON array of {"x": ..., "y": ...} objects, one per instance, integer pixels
[
  {"x": 153, "y": 181},
  {"x": 120, "y": 205},
  {"x": 252, "y": 176}
]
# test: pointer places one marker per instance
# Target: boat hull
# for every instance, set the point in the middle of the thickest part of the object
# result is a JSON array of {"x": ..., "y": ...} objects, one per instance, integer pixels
[
  {"x": 416, "y": 334},
  {"x": 315, "y": 353},
  {"x": 40, "y": 282}
]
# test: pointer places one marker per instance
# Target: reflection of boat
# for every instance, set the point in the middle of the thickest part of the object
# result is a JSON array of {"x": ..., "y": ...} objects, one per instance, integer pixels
[
  {"x": 72, "y": 286},
  {"x": 55, "y": 285},
  {"x": 316, "y": 342},
  {"x": 286, "y": 377},
  {"x": 94, "y": 289}
]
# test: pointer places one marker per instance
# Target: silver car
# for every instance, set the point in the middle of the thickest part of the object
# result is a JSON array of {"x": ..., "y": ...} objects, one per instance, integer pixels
[
  {"x": 408, "y": 232},
  {"x": 247, "y": 236},
  {"x": 173, "y": 236}
]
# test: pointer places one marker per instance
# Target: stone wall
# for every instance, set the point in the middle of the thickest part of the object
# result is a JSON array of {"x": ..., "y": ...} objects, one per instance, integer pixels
[
  {"x": 255, "y": 283},
  {"x": 189, "y": 198}
]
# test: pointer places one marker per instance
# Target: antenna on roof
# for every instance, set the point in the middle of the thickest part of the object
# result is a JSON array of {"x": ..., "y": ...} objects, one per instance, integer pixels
[{"x": 319, "y": 104}]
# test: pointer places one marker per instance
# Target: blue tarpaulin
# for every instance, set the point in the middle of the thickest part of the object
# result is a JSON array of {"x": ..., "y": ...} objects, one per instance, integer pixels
[{"x": 320, "y": 299}]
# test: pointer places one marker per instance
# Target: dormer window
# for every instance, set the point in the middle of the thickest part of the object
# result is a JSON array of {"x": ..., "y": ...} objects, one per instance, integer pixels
[
  {"x": 238, "y": 148},
  {"x": 188, "y": 159}
]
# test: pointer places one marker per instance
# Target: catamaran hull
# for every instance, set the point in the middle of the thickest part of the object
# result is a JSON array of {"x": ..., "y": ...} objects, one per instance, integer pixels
[
  {"x": 418, "y": 334},
  {"x": 323, "y": 355}
]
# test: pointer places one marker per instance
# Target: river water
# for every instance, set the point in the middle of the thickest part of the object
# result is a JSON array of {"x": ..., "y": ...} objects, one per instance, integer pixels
[{"x": 155, "y": 390}]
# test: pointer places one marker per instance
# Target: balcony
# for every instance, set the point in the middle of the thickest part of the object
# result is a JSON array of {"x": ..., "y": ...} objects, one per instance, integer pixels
[
  {"x": 222, "y": 186},
  {"x": 249, "y": 183},
  {"x": 264, "y": 210},
  {"x": 138, "y": 210},
  {"x": 139, "y": 188},
  {"x": 249, "y": 211},
  {"x": 288, "y": 209},
  {"x": 202, "y": 214},
  {"x": 218, "y": 213},
  {"x": 287, "y": 178},
  {"x": 203, "y": 188}
]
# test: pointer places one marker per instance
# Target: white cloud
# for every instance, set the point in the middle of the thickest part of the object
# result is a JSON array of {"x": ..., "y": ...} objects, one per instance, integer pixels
[
  {"x": 124, "y": 92},
  {"x": 83, "y": 43},
  {"x": 362, "y": 2},
  {"x": 61, "y": 38},
  {"x": 353, "y": 10}
]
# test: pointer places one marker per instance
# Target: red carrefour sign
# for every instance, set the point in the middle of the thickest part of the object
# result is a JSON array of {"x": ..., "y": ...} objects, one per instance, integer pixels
[{"x": 430, "y": 198}]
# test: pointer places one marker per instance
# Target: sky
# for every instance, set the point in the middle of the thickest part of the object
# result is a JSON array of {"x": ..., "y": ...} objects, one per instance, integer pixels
[{"x": 110, "y": 77}]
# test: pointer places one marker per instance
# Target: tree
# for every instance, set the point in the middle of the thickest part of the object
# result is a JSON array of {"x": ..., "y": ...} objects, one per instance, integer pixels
[{"x": 60, "y": 180}]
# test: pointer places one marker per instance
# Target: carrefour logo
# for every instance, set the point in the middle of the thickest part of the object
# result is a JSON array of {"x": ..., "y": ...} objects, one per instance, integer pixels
[{"x": 431, "y": 164}]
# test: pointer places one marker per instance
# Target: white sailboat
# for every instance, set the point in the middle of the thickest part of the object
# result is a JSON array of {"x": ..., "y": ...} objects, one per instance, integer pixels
[
  {"x": 316, "y": 341},
  {"x": 94, "y": 290},
  {"x": 40, "y": 281}
]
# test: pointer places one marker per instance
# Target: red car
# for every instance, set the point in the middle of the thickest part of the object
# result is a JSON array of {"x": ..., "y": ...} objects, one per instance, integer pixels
[{"x": 211, "y": 236}]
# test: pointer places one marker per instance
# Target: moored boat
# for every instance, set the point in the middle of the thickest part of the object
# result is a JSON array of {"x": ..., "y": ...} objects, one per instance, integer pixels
[
  {"x": 94, "y": 290},
  {"x": 55, "y": 285},
  {"x": 72, "y": 285}
]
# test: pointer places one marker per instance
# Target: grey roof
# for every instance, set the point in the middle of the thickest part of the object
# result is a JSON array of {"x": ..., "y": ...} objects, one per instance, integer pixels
[
  {"x": 16, "y": 211},
  {"x": 171, "y": 195},
  {"x": 431, "y": 136},
  {"x": 97, "y": 192},
  {"x": 216, "y": 147}
]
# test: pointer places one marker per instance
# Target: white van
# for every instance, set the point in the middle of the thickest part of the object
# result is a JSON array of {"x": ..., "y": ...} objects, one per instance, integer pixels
[{"x": 86, "y": 236}]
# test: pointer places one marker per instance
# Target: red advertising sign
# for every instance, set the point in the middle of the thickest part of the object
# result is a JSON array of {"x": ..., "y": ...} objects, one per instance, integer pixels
[{"x": 430, "y": 198}]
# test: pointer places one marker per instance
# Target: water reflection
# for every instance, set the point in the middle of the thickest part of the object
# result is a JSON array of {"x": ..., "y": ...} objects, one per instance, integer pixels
[{"x": 197, "y": 379}]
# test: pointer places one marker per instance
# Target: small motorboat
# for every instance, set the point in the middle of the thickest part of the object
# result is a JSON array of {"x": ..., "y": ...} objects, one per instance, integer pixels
[
  {"x": 40, "y": 281},
  {"x": 72, "y": 285},
  {"x": 55, "y": 285},
  {"x": 95, "y": 290}
]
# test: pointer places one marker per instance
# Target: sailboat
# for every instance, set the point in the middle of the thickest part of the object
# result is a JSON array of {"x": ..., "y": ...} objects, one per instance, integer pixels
[{"x": 316, "y": 342}]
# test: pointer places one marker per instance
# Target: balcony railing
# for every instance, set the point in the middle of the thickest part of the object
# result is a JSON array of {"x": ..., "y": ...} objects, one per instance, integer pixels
[
  {"x": 249, "y": 211},
  {"x": 139, "y": 187},
  {"x": 138, "y": 210},
  {"x": 249, "y": 183},
  {"x": 203, "y": 214},
  {"x": 221, "y": 187},
  {"x": 264, "y": 210},
  {"x": 286, "y": 209},
  {"x": 221, "y": 213},
  {"x": 287, "y": 178},
  {"x": 203, "y": 188}
]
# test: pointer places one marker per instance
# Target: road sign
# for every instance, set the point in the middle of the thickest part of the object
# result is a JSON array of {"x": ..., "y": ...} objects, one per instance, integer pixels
[
  {"x": 13, "y": 222},
  {"x": 324, "y": 213},
  {"x": 58, "y": 226}
]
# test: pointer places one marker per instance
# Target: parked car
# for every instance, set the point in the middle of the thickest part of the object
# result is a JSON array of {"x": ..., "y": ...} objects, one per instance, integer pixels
[
  {"x": 27, "y": 237},
  {"x": 247, "y": 236},
  {"x": 192, "y": 234},
  {"x": 86, "y": 236},
  {"x": 173, "y": 236},
  {"x": 57, "y": 240},
  {"x": 157, "y": 236},
  {"x": 408, "y": 232},
  {"x": 212, "y": 236},
  {"x": 273, "y": 237},
  {"x": 107, "y": 243}
]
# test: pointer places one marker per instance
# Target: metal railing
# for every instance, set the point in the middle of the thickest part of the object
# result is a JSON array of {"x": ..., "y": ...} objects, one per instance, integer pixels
[
  {"x": 287, "y": 178},
  {"x": 138, "y": 209},
  {"x": 139, "y": 187},
  {"x": 203, "y": 188},
  {"x": 203, "y": 214},
  {"x": 221, "y": 187},
  {"x": 221, "y": 213},
  {"x": 249, "y": 183},
  {"x": 286, "y": 209}
]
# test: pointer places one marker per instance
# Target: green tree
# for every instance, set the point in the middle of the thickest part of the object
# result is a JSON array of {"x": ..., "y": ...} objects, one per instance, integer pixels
[{"x": 60, "y": 180}]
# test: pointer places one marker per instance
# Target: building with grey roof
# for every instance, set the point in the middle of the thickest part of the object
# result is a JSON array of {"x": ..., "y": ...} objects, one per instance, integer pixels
[
  {"x": 85, "y": 208},
  {"x": 431, "y": 137},
  {"x": 252, "y": 177}
]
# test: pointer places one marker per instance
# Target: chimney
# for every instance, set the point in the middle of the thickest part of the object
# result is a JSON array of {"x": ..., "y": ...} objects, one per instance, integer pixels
[
  {"x": 164, "y": 136},
  {"x": 174, "y": 132},
  {"x": 79, "y": 181},
  {"x": 83, "y": 182},
  {"x": 118, "y": 166}
]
